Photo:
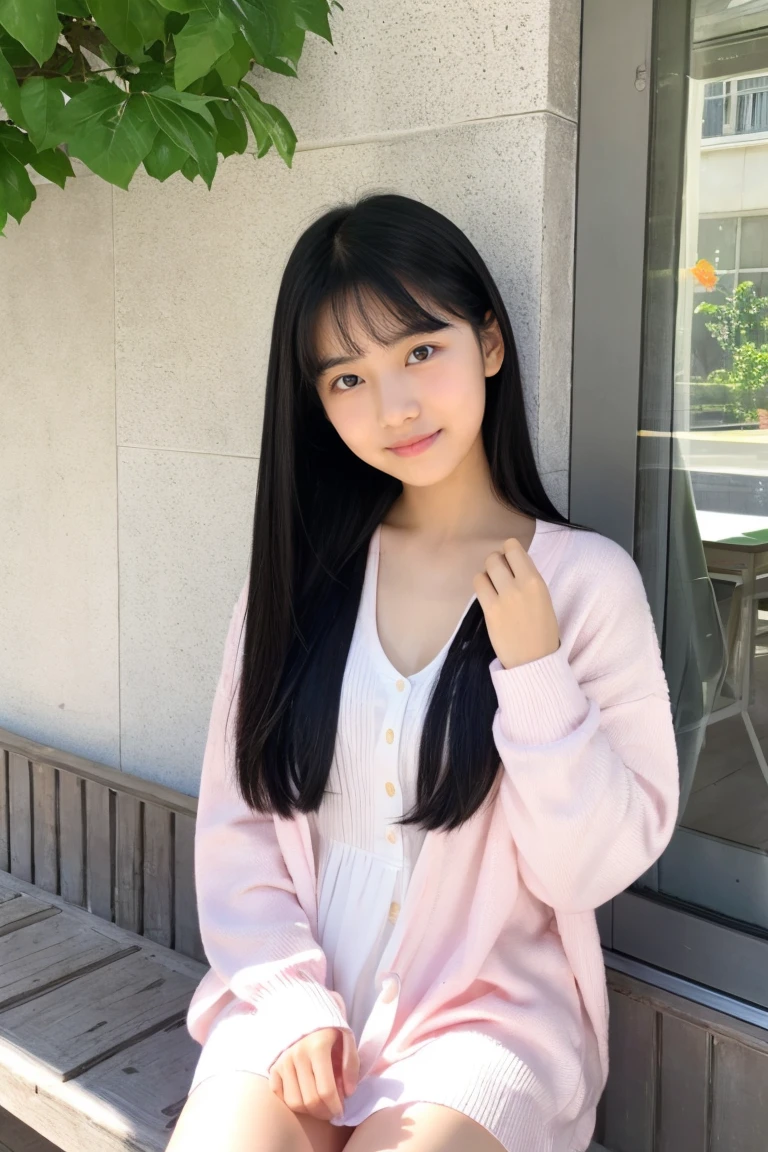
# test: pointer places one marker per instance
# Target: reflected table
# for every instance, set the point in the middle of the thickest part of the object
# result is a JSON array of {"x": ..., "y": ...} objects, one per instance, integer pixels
[{"x": 736, "y": 547}]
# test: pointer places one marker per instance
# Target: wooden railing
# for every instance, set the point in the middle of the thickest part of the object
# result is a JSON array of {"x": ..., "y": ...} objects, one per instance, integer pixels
[{"x": 112, "y": 843}]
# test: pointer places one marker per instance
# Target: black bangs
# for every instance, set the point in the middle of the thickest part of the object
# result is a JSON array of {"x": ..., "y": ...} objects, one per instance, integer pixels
[{"x": 399, "y": 314}]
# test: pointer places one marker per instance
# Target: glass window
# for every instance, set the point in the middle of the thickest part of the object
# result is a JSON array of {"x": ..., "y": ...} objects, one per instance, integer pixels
[
  {"x": 715, "y": 18},
  {"x": 714, "y": 512},
  {"x": 717, "y": 242},
  {"x": 754, "y": 242}
]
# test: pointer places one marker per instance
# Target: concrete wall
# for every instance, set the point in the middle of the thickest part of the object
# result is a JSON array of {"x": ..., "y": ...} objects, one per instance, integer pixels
[{"x": 135, "y": 336}]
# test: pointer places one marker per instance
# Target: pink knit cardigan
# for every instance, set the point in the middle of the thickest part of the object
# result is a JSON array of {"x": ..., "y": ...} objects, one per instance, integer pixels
[{"x": 587, "y": 800}]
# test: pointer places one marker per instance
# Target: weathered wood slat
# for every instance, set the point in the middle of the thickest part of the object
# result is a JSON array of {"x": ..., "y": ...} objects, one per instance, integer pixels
[
  {"x": 20, "y": 1137},
  {"x": 72, "y": 1120},
  {"x": 684, "y": 1082},
  {"x": 158, "y": 875},
  {"x": 72, "y": 838},
  {"x": 129, "y": 878},
  {"x": 146, "y": 790},
  {"x": 16, "y": 911},
  {"x": 73, "y": 1027},
  {"x": 629, "y": 1105},
  {"x": 98, "y": 849},
  {"x": 45, "y": 846},
  {"x": 117, "y": 845},
  {"x": 173, "y": 960},
  {"x": 20, "y": 798},
  {"x": 38, "y": 956},
  {"x": 5, "y": 846},
  {"x": 187, "y": 938},
  {"x": 739, "y": 1098},
  {"x": 147, "y": 1084}
]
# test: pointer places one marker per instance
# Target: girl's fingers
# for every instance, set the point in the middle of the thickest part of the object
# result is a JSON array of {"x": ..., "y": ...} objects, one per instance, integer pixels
[
  {"x": 486, "y": 592},
  {"x": 325, "y": 1081},
  {"x": 308, "y": 1068},
  {"x": 292, "y": 1094},
  {"x": 501, "y": 575},
  {"x": 276, "y": 1082},
  {"x": 350, "y": 1062}
]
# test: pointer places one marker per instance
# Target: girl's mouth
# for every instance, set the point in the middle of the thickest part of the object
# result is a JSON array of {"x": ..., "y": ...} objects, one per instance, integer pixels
[{"x": 419, "y": 446}]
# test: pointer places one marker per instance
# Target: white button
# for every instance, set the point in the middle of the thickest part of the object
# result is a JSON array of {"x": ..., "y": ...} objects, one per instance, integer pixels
[
  {"x": 389, "y": 991},
  {"x": 390, "y": 735},
  {"x": 400, "y": 684},
  {"x": 390, "y": 788},
  {"x": 394, "y": 911},
  {"x": 392, "y": 837}
]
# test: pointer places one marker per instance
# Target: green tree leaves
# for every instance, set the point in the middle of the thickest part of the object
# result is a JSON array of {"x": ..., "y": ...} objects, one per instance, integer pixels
[
  {"x": 268, "y": 123},
  {"x": 33, "y": 23},
  {"x": 121, "y": 83},
  {"x": 129, "y": 24},
  {"x": 199, "y": 45}
]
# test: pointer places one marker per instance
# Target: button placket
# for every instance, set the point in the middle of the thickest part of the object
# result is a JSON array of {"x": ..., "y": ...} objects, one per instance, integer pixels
[{"x": 389, "y": 802}]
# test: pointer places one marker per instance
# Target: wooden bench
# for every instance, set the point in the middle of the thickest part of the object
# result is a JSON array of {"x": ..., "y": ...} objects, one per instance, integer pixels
[{"x": 99, "y": 953}]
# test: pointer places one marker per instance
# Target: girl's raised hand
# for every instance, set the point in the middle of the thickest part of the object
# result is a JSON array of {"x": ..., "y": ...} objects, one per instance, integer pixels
[
  {"x": 515, "y": 599},
  {"x": 312, "y": 1074}
]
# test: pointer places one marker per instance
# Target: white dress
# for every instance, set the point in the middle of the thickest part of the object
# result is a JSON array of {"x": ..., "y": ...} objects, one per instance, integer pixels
[{"x": 363, "y": 859}]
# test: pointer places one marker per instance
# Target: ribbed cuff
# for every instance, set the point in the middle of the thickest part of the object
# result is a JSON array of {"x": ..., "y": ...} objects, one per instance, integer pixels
[
  {"x": 541, "y": 701},
  {"x": 290, "y": 1008}
]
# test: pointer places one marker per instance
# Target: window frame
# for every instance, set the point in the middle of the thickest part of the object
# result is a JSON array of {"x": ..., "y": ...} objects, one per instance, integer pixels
[{"x": 632, "y": 124}]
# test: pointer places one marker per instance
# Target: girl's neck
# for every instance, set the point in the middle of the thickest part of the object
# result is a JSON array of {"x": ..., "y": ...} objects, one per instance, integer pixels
[{"x": 461, "y": 507}]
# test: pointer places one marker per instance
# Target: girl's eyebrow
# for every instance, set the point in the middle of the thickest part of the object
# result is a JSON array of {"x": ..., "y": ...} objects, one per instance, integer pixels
[{"x": 401, "y": 334}]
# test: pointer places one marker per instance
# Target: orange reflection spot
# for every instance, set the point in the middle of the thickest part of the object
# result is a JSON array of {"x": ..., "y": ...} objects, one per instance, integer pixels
[{"x": 705, "y": 274}]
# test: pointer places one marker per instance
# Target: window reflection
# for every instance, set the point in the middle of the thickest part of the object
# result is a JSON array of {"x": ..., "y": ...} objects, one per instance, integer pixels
[{"x": 716, "y": 649}]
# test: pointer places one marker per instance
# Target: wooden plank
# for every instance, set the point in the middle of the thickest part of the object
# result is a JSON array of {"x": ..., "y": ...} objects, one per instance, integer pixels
[
  {"x": 5, "y": 844},
  {"x": 72, "y": 1124},
  {"x": 158, "y": 876},
  {"x": 16, "y": 1136},
  {"x": 72, "y": 838},
  {"x": 684, "y": 1095},
  {"x": 45, "y": 845},
  {"x": 739, "y": 1098},
  {"x": 172, "y": 960},
  {"x": 16, "y": 911},
  {"x": 129, "y": 878},
  {"x": 20, "y": 804},
  {"x": 73, "y": 1027},
  {"x": 630, "y": 1091},
  {"x": 187, "y": 934},
  {"x": 147, "y": 1085},
  {"x": 98, "y": 853},
  {"x": 145, "y": 790},
  {"x": 47, "y": 953},
  {"x": 701, "y": 1014}
]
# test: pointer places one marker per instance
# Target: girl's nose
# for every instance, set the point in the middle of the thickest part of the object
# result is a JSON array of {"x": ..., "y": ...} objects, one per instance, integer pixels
[{"x": 397, "y": 404}]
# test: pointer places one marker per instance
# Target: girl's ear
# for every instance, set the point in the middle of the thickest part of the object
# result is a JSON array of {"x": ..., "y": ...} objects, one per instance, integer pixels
[{"x": 493, "y": 346}]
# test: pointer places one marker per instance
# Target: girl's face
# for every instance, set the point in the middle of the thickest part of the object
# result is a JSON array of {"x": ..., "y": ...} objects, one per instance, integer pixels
[{"x": 431, "y": 384}]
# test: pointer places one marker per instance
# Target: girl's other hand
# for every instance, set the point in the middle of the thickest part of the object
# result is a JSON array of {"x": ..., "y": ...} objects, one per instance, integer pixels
[
  {"x": 312, "y": 1074},
  {"x": 518, "y": 609}
]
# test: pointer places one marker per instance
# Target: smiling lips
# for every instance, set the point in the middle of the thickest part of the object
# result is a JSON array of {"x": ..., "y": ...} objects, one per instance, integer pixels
[{"x": 416, "y": 446}]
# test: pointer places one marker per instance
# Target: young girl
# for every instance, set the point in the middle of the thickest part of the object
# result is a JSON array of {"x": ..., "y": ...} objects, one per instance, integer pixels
[{"x": 441, "y": 737}]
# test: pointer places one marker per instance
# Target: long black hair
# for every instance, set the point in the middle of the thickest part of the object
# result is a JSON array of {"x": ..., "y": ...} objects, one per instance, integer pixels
[{"x": 318, "y": 504}]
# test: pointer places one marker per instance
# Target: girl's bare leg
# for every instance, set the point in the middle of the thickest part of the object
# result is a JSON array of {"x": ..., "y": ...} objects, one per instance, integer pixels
[
  {"x": 421, "y": 1128},
  {"x": 239, "y": 1112}
]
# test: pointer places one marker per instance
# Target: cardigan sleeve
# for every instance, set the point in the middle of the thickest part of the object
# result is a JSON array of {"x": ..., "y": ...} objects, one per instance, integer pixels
[
  {"x": 590, "y": 781},
  {"x": 255, "y": 933}
]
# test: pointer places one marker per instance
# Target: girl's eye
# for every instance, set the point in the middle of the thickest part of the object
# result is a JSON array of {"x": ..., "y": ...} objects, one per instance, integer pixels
[
  {"x": 335, "y": 383},
  {"x": 419, "y": 348},
  {"x": 334, "y": 386}
]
